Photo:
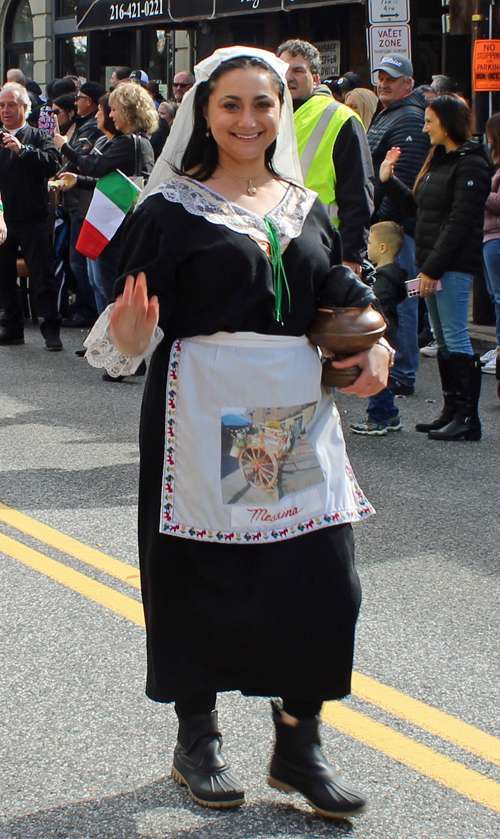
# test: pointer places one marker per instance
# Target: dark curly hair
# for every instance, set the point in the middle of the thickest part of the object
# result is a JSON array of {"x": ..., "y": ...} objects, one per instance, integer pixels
[{"x": 202, "y": 153}]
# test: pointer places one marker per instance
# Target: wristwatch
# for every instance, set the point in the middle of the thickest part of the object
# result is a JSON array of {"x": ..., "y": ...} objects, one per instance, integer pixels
[{"x": 390, "y": 350}]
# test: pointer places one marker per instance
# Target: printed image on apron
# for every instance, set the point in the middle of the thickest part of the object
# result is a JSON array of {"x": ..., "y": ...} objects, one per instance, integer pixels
[{"x": 266, "y": 454}]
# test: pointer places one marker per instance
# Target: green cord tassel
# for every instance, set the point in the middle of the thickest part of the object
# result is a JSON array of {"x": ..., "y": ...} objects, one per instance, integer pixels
[{"x": 279, "y": 276}]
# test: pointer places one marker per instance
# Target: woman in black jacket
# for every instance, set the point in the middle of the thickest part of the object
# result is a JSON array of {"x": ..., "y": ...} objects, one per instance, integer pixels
[{"x": 448, "y": 198}]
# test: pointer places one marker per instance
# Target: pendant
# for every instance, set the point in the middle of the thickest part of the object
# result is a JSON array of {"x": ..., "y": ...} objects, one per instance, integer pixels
[{"x": 251, "y": 190}]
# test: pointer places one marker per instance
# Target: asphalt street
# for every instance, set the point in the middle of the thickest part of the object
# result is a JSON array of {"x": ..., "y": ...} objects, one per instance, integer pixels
[{"x": 87, "y": 756}]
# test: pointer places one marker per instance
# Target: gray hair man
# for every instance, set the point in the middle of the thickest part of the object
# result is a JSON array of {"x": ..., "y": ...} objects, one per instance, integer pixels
[
  {"x": 334, "y": 153},
  {"x": 28, "y": 157}
]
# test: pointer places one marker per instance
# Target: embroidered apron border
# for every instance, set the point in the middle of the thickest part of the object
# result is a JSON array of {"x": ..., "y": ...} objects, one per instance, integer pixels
[{"x": 169, "y": 526}]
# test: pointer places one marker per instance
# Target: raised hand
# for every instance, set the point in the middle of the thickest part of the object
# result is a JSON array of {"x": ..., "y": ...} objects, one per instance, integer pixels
[
  {"x": 133, "y": 319},
  {"x": 387, "y": 166}
]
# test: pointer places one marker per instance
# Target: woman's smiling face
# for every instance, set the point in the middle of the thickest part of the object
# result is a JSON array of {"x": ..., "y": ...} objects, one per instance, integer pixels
[
  {"x": 434, "y": 128},
  {"x": 243, "y": 114}
]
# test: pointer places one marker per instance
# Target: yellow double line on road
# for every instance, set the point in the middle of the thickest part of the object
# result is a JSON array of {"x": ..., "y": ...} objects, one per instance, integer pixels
[{"x": 401, "y": 748}]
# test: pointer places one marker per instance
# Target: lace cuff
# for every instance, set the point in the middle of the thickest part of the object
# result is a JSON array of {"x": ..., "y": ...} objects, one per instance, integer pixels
[{"x": 101, "y": 352}]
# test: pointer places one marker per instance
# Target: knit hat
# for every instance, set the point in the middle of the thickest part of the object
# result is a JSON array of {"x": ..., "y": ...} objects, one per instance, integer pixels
[
  {"x": 93, "y": 90},
  {"x": 61, "y": 86}
]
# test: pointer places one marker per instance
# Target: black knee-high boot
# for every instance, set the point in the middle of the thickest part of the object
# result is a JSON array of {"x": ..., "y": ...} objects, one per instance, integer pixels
[
  {"x": 298, "y": 765},
  {"x": 448, "y": 385},
  {"x": 465, "y": 425},
  {"x": 199, "y": 765}
]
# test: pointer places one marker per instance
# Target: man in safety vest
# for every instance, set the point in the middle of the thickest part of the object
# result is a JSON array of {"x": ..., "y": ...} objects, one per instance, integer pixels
[{"x": 334, "y": 153}]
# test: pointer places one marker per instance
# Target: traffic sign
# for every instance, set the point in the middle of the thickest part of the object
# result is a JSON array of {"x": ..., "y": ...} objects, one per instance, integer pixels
[
  {"x": 486, "y": 65},
  {"x": 389, "y": 11},
  {"x": 387, "y": 40}
]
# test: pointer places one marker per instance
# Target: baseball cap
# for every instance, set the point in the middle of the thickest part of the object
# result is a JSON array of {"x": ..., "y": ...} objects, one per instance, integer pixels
[
  {"x": 349, "y": 81},
  {"x": 396, "y": 65},
  {"x": 139, "y": 76}
]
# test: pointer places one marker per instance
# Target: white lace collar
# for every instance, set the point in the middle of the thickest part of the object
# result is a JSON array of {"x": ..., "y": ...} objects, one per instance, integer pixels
[{"x": 288, "y": 216}]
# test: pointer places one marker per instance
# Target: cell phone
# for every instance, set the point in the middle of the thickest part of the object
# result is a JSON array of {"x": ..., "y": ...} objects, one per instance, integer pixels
[
  {"x": 56, "y": 122},
  {"x": 413, "y": 287}
]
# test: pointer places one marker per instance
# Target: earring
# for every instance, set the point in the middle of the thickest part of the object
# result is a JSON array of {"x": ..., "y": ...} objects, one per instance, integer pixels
[{"x": 207, "y": 132}]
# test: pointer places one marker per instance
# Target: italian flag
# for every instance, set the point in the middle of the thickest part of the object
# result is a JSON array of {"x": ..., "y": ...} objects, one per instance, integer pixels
[{"x": 113, "y": 198}]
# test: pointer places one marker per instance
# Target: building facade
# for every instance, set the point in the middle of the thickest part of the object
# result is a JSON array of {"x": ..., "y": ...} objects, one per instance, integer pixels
[{"x": 52, "y": 39}]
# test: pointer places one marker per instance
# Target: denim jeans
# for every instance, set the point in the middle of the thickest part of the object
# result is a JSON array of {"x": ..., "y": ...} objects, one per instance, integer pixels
[
  {"x": 95, "y": 282},
  {"x": 448, "y": 310},
  {"x": 491, "y": 259},
  {"x": 382, "y": 406},
  {"x": 85, "y": 300},
  {"x": 406, "y": 343}
]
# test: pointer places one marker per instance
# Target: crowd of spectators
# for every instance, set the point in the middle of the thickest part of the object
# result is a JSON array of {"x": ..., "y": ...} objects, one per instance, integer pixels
[{"x": 79, "y": 131}]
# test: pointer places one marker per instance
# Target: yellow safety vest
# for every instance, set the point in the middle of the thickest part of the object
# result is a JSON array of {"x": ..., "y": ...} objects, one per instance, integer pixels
[{"x": 317, "y": 123}]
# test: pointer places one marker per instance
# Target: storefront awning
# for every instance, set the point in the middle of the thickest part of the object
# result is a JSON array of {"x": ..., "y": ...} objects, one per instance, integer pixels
[{"x": 105, "y": 14}]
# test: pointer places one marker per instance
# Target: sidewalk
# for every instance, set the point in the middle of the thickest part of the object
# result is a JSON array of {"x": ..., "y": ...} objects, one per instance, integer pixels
[{"x": 482, "y": 336}]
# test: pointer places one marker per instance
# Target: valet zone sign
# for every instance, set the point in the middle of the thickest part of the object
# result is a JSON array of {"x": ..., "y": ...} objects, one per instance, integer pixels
[
  {"x": 388, "y": 39},
  {"x": 389, "y": 31}
]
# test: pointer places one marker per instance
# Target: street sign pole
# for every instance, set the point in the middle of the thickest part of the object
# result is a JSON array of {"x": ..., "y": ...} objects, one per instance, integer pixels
[{"x": 389, "y": 31}]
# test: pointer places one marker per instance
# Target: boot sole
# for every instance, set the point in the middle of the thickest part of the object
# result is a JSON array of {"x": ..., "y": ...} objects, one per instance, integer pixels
[
  {"x": 461, "y": 438},
  {"x": 214, "y": 805},
  {"x": 286, "y": 788}
]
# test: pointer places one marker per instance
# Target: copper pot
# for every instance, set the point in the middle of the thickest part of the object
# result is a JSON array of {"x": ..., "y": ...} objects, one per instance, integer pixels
[{"x": 341, "y": 332}]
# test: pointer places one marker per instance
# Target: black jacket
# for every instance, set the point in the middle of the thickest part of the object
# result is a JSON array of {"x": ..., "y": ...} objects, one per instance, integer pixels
[
  {"x": 399, "y": 125},
  {"x": 23, "y": 176},
  {"x": 131, "y": 156},
  {"x": 159, "y": 137},
  {"x": 389, "y": 288},
  {"x": 82, "y": 139},
  {"x": 449, "y": 206}
]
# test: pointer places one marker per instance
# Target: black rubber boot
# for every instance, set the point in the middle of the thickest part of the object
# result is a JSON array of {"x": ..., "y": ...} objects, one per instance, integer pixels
[
  {"x": 199, "y": 765},
  {"x": 11, "y": 337},
  {"x": 447, "y": 375},
  {"x": 51, "y": 334},
  {"x": 298, "y": 765},
  {"x": 465, "y": 425}
]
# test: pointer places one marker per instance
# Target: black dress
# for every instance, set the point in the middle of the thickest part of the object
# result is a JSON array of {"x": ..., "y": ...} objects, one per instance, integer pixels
[{"x": 268, "y": 619}]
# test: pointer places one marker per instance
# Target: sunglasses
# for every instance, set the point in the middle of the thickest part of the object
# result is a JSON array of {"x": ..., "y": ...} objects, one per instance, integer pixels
[{"x": 57, "y": 111}]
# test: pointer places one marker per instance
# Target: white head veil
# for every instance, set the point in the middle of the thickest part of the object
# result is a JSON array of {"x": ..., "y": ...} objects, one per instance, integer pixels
[{"x": 286, "y": 158}]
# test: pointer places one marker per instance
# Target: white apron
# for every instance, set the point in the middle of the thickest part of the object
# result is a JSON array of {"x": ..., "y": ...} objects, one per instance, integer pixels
[{"x": 254, "y": 450}]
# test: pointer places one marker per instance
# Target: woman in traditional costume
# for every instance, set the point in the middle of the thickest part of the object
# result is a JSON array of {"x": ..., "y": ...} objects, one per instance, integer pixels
[{"x": 246, "y": 495}]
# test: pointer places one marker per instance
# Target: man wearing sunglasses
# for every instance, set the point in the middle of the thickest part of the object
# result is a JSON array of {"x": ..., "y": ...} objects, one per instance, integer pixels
[
  {"x": 83, "y": 138},
  {"x": 182, "y": 82}
]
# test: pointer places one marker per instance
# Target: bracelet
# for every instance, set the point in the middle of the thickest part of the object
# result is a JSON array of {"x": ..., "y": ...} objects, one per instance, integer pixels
[{"x": 392, "y": 352}]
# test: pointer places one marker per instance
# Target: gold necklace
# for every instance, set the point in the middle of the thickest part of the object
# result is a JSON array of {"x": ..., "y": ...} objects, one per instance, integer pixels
[{"x": 251, "y": 189}]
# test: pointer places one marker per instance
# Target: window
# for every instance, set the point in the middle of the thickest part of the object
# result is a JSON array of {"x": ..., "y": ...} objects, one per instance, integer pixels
[
  {"x": 19, "y": 38},
  {"x": 71, "y": 56},
  {"x": 66, "y": 8}
]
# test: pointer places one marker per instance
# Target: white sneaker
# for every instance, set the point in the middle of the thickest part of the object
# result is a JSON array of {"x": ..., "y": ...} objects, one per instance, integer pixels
[
  {"x": 431, "y": 350},
  {"x": 488, "y": 356},
  {"x": 490, "y": 366}
]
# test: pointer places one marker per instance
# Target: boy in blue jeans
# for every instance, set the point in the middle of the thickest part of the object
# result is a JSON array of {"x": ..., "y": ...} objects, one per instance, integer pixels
[{"x": 384, "y": 243}]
